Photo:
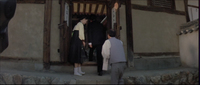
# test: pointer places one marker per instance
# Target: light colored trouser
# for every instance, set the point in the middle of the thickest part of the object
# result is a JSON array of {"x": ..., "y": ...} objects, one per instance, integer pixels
[{"x": 117, "y": 70}]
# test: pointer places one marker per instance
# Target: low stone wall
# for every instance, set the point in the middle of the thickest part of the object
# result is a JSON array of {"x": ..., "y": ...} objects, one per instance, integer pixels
[
  {"x": 182, "y": 77},
  {"x": 23, "y": 79}
]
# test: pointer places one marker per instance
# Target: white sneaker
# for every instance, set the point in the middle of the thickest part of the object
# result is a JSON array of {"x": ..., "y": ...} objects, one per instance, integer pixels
[
  {"x": 76, "y": 72},
  {"x": 82, "y": 73},
  {"x": 79, "y": 70}
]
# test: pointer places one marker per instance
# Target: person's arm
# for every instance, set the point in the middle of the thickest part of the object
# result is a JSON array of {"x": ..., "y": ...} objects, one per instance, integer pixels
[
  {"x": 106, "y": 49},
  {"x": 81, "y": 33}
]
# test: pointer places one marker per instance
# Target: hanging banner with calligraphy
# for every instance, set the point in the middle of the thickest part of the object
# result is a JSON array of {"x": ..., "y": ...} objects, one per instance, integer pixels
[
  {"x": 113, "y": 17},
  {"x": 67, "y": 13}
]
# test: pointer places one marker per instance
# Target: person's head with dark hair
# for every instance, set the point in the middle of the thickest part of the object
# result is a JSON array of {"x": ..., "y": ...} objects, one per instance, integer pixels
[
  {"x": 111, "y": 33},
  {"x": 7, "y": 11},
  {"x": 93, "y": 17},
  {"x": 83, "y": 19}
]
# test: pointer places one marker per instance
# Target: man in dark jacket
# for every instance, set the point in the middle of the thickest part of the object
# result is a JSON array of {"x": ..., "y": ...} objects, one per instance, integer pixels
[{"x": 96, "y": 38}]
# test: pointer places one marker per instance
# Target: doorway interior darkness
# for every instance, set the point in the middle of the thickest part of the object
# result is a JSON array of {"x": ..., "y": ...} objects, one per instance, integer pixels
[
  {"x": 86, "y": 9},
  {"x": 77, "y": 8}
]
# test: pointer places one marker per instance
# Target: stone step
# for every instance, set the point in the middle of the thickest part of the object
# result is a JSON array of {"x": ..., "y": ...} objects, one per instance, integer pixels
[
  {"x": 144, "y": 63},
  {"x": 154, "y": 63}
]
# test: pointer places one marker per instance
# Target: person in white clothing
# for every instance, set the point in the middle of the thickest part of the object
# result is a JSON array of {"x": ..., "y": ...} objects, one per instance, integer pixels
[{"x": 113, "y": 52}]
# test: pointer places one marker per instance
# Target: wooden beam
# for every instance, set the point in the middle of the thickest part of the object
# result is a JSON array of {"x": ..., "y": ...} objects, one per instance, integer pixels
[
  {"x": 84, "y": 9},
  {"x": 193, "y": 6},
  {"x": 149, "y": 3},
  {"x": 31, "y": 1},
  {"x": 17, "y": 59},
  {"x": 186, "y": 10},
  {"x": 173, "y": 5},
  {"x": 78, "y": 8},
  {"x": 90, "y": 9},
  {"x": 72, "y": 8},
  {"x": 129, "y": 31},
  {"x": 91, "y": 1},
  {"x": 46, "y": 37},
  {"x": 102, "y": 10},
  {"x": 97, "y": 6},
  {"x": 157, "y": 54}
]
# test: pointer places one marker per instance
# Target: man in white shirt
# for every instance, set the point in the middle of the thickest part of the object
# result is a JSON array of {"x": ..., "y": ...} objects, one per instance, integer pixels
[{"x": 113, "y": 52}]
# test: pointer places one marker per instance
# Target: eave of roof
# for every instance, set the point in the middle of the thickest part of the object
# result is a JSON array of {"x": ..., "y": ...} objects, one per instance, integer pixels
[{"x": 189, "y": 27}]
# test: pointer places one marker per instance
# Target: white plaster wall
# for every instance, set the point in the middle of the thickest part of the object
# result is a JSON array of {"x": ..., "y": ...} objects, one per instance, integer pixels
[
  {"x": 179, "y": 4},
  {"x": 189, "y": 49},
  {"x": 25, "y": 31},
  {"x": 193, "y": 12},
  {"x": 155, "y": 31},
  {"x": 123, "y": 25},
  {"x": 55, "y": 32},
  {"x": 193, "y": 2}
]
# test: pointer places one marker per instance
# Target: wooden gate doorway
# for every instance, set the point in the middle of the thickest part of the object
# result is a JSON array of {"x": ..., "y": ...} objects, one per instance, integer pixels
[
  {"x": 87, "y": 8},
  {"x": 70, "y": 10}
]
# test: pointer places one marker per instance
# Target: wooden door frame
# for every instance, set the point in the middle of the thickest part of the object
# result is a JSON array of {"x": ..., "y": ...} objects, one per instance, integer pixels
[
  {"x": 129, "y": 32},
  {"x": 116, "y": 26},
  {"x": 65, "y": 31},
  {"x": 129, "y": 27},
  {"x": 47, "y": 30}
]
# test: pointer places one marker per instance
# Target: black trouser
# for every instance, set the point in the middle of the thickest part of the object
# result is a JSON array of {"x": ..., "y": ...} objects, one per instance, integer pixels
[
  {"x": 91, "y": 57},
  {"x": 99, "y": 56}
]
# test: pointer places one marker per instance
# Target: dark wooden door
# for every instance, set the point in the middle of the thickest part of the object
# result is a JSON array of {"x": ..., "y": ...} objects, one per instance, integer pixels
[{"x": 65, "y": 29}]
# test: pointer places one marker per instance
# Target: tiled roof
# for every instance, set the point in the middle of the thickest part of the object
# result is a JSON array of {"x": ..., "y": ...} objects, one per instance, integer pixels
[{"x": 189, "y": 27}]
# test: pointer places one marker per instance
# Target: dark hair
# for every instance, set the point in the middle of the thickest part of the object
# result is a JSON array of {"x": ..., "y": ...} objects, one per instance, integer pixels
[
  {"x": 93, "y": 17},
  {"x": 82, "y": 17},
  {"x": 111, "y": 33}
]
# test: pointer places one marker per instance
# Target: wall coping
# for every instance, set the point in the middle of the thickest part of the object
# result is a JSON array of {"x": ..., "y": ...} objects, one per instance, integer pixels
[{"x": 189, "y": 27}]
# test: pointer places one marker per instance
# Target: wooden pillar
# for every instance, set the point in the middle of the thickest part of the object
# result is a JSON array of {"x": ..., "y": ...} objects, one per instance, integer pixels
[
  {"x": 70, "y": 16},
  {"x": 46, "y": 37},
  {"x": 108, "y": 15},
  {"x": 118, "y": 21},
  {"x": 186, "y": 10},
  {"x": 116, "y": 26},
  {"x": 68, "y": 31},
  {"x": 61, "y": 27},
  {"x": 129, "y": 31}
]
